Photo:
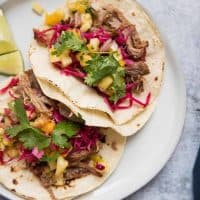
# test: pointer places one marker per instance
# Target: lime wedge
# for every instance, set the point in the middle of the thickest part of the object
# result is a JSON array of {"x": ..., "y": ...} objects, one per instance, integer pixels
[
  {"x": 7, "y": 43},
  {"x": 11, "y": 63}
]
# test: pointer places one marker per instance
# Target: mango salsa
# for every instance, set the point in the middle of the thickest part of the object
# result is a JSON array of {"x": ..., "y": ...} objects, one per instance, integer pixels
[{"x": 55, "y": 17}]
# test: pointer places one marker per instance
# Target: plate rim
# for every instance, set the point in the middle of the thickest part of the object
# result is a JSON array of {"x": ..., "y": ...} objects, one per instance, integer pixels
[{"x": 168, "y": 48}]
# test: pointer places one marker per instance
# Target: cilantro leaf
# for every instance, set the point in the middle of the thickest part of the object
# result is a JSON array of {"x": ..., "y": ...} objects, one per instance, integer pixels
[
  {"x": 99, "y": 67},
  {"x": 118, "y": 86},
  {"x": 20, "y": 112},
  {"x": 33, "y": 138},
  {"x": 63, "y": 131},
  {"x": 29, "y": 136},
  {"x": 69, "y": 41},
  {"x": 15, "y": 130}
]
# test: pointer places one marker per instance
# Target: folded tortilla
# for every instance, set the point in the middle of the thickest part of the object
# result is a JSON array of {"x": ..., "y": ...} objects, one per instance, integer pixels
[
  {"x": 87, "y": 98},
  {"x": 18, "y": 179},
  {"x": 95, "y": 117}
]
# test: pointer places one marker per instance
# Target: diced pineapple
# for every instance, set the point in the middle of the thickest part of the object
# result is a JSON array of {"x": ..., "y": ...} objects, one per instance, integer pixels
[
  {"x": 6, "y": 141},
  {"x": 61, "y": 165},
  {"x": 122, "y": 63},
  {"x": 86, "y": 22},
  {"x": 66, "y": 60},
  {"x": 52, "y": 165},
  {"x": 45, "y": 124},
  {"x": 118, "y": 56},
  {"x": 55, "y": 17},
  {"x": 105, "y": 83},
  {"x": 2, "y": 146},
  {"x": 78, "y": 5},
  {"x": 54, "y": 58},
  {"x": 93, "y": 46},
  {"x": 12, "y": 152},
  {"x": 39, "y": 122},
  {"x": 72, "y": 6},
  {"x": 48, "y": 127},
  {"x": 2, "y": 131},
  {"x": 37, "y": 8},
  {"x": 97, "y": 159},
  {"x": 114, "y": 46},
  {"x": 83, "y": 58}
]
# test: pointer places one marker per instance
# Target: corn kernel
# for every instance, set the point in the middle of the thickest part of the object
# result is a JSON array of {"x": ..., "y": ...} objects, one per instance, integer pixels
[
  {"x": 37, "y": 8},
  {"x": 54, "y": 17},
  {"x": 105, "y": 83}
]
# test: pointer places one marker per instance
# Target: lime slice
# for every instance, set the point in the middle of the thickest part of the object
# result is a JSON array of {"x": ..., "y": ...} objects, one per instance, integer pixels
[
  {"x": 7, "y": 43},
  {"x": 11, "y": 63}
]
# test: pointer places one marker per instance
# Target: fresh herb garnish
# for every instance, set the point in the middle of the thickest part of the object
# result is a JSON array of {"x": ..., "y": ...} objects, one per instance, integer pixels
[
  {"x": 32, "y": 137},
  {"x": 118, "y": 86},
  {"x": 63, "y": 131},
  {"x": 28, "y": 135},
  {"x": 69, "y": 41},
  {"x": 101, "y": 66}
]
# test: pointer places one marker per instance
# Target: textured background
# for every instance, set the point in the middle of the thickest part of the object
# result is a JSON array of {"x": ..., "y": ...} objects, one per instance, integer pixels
[{"x": 179, "y": 22}]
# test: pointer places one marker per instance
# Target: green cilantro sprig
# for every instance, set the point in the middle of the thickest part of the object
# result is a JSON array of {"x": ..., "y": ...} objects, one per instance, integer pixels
[
  {"x": 69, "y": 41},
  {"x": 32, "y": 137},
  {"x": 28, "y": 135},
  {"x": 63, "y": 131},
  {"x": 101, "y": 66}
]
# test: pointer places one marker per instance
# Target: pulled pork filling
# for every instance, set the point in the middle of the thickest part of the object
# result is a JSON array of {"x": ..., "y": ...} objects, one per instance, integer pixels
[
  {"x": 55, "y": 144},
  {"x": 100, "y": 47}
]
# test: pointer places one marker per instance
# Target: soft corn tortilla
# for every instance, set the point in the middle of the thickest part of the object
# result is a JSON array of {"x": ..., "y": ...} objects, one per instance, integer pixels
[
  {"x": 84, "y": 96},
  {"x": 19, "y": 180},
  {"x": 95, "y": 117}
]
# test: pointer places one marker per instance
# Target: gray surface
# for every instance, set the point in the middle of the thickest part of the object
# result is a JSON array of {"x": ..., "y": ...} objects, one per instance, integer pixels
[{"x": 179, "y": 21}]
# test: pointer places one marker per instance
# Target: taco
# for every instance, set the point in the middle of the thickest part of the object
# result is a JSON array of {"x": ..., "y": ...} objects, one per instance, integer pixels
[
  {"x": 105, "y": 56},
  {"x": 46, "y": 151},
  {"x": 94, "y": 117}
]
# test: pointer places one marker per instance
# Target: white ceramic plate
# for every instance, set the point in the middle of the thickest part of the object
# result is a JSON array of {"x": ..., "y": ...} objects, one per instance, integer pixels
[{"x": 148, "y": 151}]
